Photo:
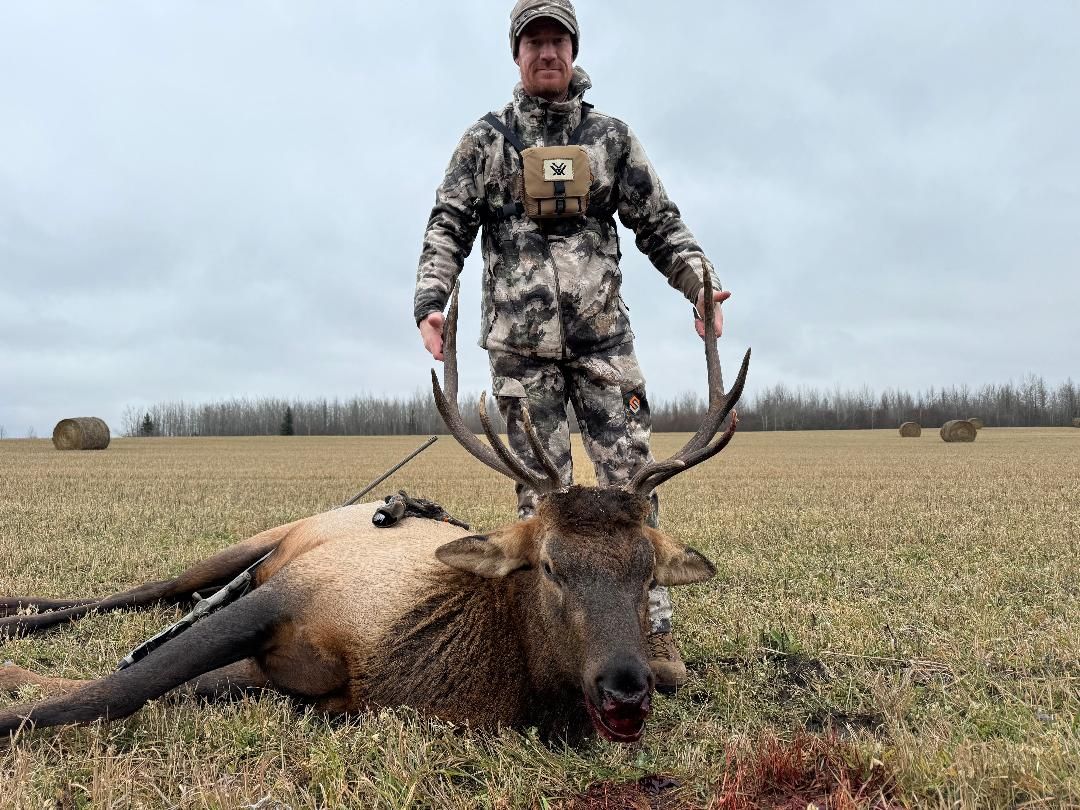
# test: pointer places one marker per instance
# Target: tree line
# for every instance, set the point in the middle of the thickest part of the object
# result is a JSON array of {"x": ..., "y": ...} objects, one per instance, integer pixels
[{"x": 1030, "y": 403}]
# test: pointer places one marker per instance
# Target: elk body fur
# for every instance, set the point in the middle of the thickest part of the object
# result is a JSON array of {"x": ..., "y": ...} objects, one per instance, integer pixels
[
  {"x": 541, "y": 623},
  {"x": 348, "y": 617}
]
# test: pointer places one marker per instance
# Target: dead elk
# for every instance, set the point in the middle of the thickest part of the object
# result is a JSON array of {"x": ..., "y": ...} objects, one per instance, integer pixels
[{"x": 510, "y": 628}]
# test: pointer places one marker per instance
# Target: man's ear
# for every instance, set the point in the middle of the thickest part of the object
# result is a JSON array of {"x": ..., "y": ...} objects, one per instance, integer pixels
[
  {"x": 491, "y": 556},
  {"x": 677, "y": 564}
]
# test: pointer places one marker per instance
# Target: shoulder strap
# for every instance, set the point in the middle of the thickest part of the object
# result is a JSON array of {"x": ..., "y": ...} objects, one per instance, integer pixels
[
  {"x": 576, "y": 134},
  {"x": 495, "y": 123},
  {"x": 505, "y": 131}
]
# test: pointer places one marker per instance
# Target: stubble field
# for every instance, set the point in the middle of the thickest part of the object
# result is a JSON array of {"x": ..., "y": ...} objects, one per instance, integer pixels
[{"x": 893, "y": 620}]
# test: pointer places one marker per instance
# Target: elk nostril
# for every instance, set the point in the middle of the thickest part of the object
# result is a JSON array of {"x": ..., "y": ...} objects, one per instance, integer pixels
[{"x": 627, "y": 687}]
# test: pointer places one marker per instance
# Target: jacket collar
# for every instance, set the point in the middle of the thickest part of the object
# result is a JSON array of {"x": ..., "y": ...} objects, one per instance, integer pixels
[{"x": 533, "y": 112}]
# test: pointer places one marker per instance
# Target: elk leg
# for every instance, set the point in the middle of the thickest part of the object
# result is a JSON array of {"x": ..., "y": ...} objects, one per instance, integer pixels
[
  {"x": 231, "y": 682},
  {"x": 215, "y": 570},
  {"x": 13, "y": 677},
  {"x": 11, "y": 606},
  {"x": 232, "y": 634}
]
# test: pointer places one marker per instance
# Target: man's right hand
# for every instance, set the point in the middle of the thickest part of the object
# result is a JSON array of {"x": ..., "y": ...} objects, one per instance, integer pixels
[{"x": 431, "y": 333}]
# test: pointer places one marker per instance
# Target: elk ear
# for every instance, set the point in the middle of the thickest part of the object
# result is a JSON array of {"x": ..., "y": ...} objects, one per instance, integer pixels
[
  {"x": 677, "y": 564},
  {"x": 491, "y": 556}
]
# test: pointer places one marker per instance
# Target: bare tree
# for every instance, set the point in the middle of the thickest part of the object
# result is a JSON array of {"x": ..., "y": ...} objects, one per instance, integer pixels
[
  {"x": 131, "y": 421},
  {"x": 779, "y": 407}
]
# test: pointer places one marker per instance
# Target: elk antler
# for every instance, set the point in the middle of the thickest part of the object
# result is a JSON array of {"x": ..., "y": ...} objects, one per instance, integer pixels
[
  {"x": 698, "y": 449},
  {"x": 498, "y": 456},
  {"x": 538, "y": 449},
  {"x": 507, "y": 456}
]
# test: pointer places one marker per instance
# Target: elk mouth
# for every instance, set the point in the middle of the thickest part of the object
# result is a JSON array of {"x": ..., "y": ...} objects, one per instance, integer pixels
[{"x": 619, "y": 722}]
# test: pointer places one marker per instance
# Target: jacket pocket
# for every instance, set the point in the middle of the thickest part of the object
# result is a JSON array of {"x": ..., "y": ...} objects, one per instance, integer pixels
[{"x": 507, "y": 387}]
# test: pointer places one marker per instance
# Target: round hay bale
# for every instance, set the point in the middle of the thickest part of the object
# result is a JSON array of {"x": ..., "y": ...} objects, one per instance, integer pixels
[
  {"x": 977, "y": 422},
  {"x": 911, "y": 430},
  {"x": 81, "y": 433},
  {"x": 1076, "y": 422},
  {"x": 958, "y": 430}
]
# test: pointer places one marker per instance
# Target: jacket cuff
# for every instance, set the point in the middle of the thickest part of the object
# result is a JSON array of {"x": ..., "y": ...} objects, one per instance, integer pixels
[
  {"x": 421, "y": 309},
  {"x": 685, "y": 275},
  {"x": 700, "y": 285}
]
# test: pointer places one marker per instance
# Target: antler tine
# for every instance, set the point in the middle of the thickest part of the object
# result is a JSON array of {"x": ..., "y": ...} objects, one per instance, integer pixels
[
  {"x": 460, "y": 431},
  {"x": 654, "y": 469},
  {"x": 554, "y": 479},
  {"x": 507, "y": 456},
  {"x": 450, "y": 371},
  {"x": 712, "y": 357},
  {"x": 659, "y": 476},
  {"x": 737, "y": 389},
  {"x": 652, "y": 475},
  {"x": 447, "y": 403},
  {"x": 710, "y": 424}
]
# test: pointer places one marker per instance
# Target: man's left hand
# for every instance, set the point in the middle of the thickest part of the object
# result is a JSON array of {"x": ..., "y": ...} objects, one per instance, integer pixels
[{"x": 718, "y": 312}]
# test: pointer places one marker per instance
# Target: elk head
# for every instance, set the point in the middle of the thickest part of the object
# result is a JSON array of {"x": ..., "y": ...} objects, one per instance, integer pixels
[{"x": 589, "y": 551}]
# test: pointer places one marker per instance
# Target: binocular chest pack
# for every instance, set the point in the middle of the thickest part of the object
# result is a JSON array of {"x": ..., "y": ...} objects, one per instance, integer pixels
[{"x": 554, "y": 181}]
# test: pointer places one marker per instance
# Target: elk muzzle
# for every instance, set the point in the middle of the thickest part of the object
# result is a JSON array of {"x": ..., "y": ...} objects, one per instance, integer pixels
[{"x": 618, "y": 697}]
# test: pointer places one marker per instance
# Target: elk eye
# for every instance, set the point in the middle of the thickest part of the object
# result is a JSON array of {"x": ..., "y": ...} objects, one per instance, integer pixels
[
  {"x": 652, "y": 584},
  {"x": 547, "y": 571}
]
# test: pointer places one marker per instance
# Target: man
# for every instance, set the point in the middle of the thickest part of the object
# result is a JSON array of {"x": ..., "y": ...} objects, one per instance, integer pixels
[{"x": 553, "y": 321}]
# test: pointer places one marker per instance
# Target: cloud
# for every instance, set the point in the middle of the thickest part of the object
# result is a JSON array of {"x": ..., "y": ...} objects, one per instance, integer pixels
[{"x": 206, "y": 200}]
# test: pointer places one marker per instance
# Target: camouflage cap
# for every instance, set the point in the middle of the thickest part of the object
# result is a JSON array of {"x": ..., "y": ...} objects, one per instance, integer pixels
[{"x": 525, "y": 11}]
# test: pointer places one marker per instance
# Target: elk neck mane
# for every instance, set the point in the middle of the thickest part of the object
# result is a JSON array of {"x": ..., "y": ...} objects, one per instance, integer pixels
[{"x": 468, "y": 643}]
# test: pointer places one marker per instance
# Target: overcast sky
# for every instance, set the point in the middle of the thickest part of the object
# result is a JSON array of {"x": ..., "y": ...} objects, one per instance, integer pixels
[{"x": 201, "y": 200}]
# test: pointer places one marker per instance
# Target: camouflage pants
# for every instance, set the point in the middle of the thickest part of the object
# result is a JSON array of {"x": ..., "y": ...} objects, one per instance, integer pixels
[{"x": 607, "y": 391}]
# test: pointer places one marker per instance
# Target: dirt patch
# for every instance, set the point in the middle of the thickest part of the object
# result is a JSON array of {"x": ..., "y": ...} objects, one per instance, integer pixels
[
  {"x": 845, "y": 724},
  {"x": 792, "y": 667},
  {"x": 795, "y": 668},
  {"x": 653, "y": 792},
  {"x": 725, "y": 663}
]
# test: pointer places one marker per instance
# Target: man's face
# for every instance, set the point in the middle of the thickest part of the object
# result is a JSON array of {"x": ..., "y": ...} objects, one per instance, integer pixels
[{"x": 546, "y": 59}]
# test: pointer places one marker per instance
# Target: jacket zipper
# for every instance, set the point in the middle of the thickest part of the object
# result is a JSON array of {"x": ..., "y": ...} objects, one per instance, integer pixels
[
  {"x": 558, "y": 303},
  {"x": 555, "y": 270}
]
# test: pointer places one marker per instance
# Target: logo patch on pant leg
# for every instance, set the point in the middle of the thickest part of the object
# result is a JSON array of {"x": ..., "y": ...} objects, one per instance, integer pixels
[{"x": 633, "y": 402}]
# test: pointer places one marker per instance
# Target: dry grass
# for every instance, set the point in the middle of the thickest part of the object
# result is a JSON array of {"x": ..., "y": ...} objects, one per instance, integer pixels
[{"x": 913, "y": 607}]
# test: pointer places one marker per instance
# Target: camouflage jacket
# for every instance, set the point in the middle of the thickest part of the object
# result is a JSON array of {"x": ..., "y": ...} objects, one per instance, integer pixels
[{"x": 552, "y": 290}]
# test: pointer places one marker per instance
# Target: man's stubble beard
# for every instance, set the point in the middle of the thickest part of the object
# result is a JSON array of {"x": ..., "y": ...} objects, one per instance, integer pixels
[{"x": 563, "y": 95}]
